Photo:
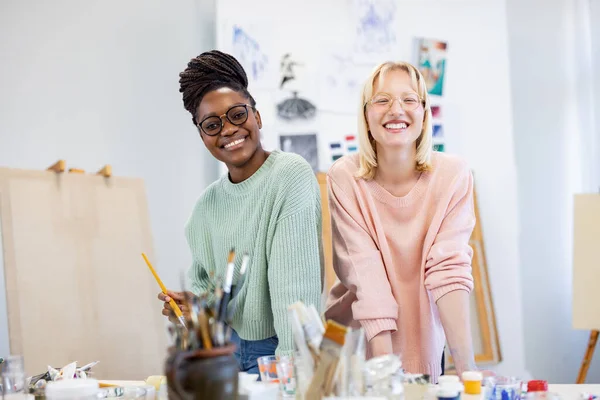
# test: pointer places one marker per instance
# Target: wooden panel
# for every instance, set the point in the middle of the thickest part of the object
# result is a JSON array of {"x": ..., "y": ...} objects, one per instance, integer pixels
[
  {"x": 77, "y": 287},
  {"x": 330, "y": 276},
  {"x": 586, "y": 263}
]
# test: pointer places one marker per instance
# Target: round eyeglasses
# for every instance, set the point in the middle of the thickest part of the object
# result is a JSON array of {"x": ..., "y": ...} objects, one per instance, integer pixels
[
  {"x": 384, "y": 101},
  {"x": 236, "y": 115}
]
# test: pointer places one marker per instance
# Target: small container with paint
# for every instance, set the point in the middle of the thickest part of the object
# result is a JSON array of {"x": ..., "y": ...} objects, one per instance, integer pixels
[
  {"x": 472, "y": 381},
  {"x": 537, "y": 386},
  {"x": 450, "y": 382},
  {"x": 504, "y": 388},
  {"x": 448, "y": 394}
]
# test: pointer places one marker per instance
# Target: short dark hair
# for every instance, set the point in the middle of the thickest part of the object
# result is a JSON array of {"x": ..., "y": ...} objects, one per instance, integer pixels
[{"x": 209, "y": 71}]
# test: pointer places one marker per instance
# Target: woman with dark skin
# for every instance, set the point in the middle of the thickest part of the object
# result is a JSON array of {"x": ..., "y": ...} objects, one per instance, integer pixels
[{"x": 267, "y": 205}]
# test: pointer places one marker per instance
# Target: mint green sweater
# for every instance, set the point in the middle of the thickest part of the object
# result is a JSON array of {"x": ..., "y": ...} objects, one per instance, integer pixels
[{"x": 275, "y": 216}]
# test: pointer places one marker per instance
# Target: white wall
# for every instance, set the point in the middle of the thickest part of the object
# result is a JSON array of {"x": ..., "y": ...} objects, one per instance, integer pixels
[
  {"x": 551, "y": 79},
  {"x": 96, "y": 82}
]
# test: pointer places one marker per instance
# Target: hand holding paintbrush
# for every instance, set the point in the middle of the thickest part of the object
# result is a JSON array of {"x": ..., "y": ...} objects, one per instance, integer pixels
[{"x": 174, "y": 306}]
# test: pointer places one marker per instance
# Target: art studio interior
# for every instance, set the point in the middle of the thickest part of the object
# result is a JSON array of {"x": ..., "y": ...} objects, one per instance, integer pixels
[{"x": 206, "y": 199}]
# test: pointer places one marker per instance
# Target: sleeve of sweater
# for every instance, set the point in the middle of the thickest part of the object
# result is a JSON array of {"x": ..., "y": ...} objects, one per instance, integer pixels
[
  {"x": 295, "y": 271},
  {"x": 358, "y": 264},
  {"x": 200, "y": 282},
  {"x": 448, "y": 264}
]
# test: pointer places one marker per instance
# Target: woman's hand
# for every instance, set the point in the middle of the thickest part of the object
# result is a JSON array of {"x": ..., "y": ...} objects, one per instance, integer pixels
[
  {"x": 381, "y": 344},
  {"x": 180, "y": 299},
  {"x": 454, "y": 313}
]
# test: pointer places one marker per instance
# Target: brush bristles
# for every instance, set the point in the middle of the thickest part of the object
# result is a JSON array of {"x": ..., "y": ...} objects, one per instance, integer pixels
[
  {"x": 335, "y": 332},
  {"x": 231, "y": 256}
]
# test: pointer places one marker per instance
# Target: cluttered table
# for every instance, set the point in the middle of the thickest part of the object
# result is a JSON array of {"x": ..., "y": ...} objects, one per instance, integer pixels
[{"x": 250, "y": 389}]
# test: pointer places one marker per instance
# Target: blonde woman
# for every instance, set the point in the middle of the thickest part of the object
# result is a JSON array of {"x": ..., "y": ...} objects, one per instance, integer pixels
[{"x": 402, "y": 216}]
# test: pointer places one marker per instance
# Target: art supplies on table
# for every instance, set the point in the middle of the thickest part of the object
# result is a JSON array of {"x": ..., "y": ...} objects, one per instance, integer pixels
[
  {"x": 330, "y": 359},
  {"x": 210, "y": 314}
]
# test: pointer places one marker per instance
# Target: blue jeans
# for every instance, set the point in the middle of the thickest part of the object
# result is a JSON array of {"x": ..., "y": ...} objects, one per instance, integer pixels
[{"x": 248, "y": 351}]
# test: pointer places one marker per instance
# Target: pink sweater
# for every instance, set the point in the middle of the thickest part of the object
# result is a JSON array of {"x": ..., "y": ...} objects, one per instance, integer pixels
[{"x": 396, "y": 256}]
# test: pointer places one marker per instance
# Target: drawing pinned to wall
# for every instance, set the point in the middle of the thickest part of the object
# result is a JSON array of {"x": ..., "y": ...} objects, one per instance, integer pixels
[
  {"x": 304, "y": 145},
  {"x": 436, "y": 112},
  {"x": 438, "y": 131},
  {"x": 431, "y": 61},
  {"x": 375, "y": 22},
  {"x": 340, "y": 81},
  {"x": 439, "y": 147},
  {"x": 251, "y": 55},
  {"x": 295, "y": 107}
]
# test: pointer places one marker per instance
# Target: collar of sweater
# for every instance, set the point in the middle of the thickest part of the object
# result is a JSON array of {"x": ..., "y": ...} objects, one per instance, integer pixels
[{"x": 253, "y": 181}]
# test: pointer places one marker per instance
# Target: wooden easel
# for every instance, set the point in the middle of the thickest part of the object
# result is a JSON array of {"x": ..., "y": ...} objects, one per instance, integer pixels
[
  {"x": 61, "y": 165},
  {"x": 587, "y": 358}
]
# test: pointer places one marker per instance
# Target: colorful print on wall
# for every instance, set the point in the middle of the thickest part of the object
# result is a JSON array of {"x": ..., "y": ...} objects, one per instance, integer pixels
[{"x": 431, "y": 61}]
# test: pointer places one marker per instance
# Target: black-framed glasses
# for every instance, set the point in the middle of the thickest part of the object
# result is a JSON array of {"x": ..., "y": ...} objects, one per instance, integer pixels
[{"x": 236, "y": 115}]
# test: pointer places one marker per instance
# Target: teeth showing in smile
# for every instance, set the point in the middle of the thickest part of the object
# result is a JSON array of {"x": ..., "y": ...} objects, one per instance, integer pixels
[
  {"x": 228, "y": 145},
  {"x": 401, "y": 125}
]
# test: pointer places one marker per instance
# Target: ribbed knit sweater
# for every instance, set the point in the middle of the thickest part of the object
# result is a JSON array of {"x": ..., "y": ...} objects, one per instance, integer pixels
[
  {"x": 397, "y": 256},
  {"x": 274, "y": 216}
]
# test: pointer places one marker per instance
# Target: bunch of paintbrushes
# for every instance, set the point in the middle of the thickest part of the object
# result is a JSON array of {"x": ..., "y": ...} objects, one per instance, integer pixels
[
  {"x": 207, "y": 325},
  {"x": 329, "y": 356}
]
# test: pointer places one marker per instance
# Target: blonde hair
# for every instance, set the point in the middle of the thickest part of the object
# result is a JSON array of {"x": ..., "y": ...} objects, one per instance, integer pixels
[{"x": 367, "y": 153}]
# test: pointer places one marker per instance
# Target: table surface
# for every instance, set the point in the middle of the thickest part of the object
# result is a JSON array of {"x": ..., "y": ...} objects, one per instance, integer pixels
[{"x": 566, "y": 391}]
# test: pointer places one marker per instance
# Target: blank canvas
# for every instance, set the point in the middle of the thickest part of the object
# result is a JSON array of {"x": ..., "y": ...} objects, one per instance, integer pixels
[
  {"x": 77, "y": 287},
  {"x": 586, "y": 262}
]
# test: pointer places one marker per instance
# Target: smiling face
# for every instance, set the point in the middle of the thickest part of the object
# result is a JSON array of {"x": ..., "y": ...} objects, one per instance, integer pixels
[
  {"x": 237, "y": 142},
  {"x": 391, "y": 124}
]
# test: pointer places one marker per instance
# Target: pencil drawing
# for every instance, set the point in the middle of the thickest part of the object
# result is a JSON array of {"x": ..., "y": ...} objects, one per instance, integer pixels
[{"x": 249, "y": 53}]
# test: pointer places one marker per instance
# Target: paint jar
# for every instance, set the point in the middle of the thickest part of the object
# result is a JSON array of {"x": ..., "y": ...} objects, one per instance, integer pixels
[
  {"x": 267, "y": 366},
  {"x": 287, "y": 377},
  {"x": 537, "y": 386},
  {"x": 13, "y": 378},
  {"x": 538, "y": 390},
  {"x": 450, "y": 382},
  {"x": 448, "y": 394},
  {"x": 504, "y": 388},
  {"x": 472, "y": 381},
  {"x": 202, "y": 374}
]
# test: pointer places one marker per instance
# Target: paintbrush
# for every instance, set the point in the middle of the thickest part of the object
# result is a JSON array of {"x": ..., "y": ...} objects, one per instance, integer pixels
[
  {"x": 204, "y": 330},
  {"x": 222, "y": 311},
  {"x": 172, "y": 302},
  {"x": 329, "y": 353},
  {"x": 235, "y": 289}
]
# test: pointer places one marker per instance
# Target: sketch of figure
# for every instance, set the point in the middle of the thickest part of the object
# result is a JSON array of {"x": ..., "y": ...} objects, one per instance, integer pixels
[
  {"x": 287, "y": 69},
  {"x": 294, "y": 107},
  {"x": 249, "y": 53},
  {"x": 375, "y": 26}
]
